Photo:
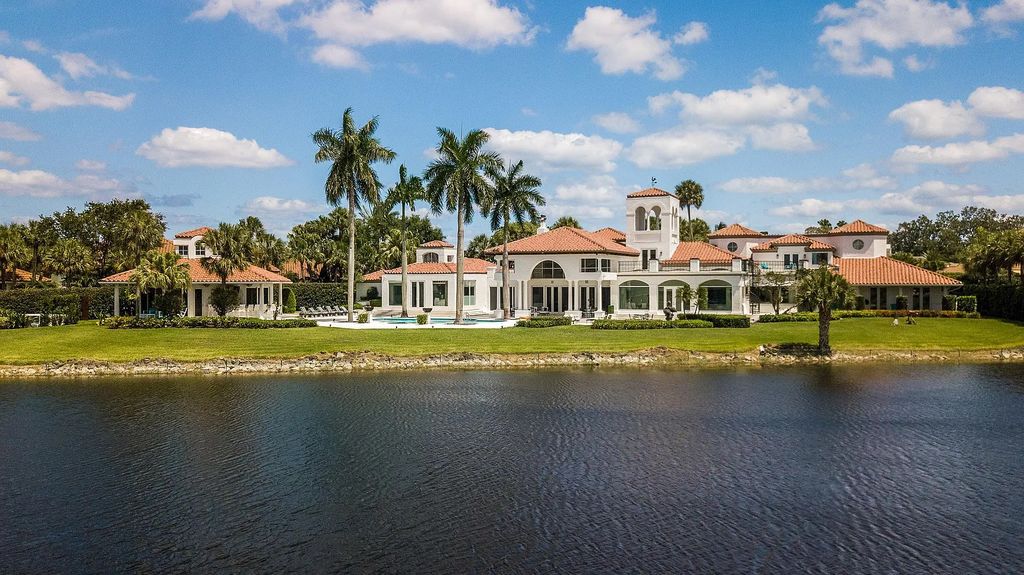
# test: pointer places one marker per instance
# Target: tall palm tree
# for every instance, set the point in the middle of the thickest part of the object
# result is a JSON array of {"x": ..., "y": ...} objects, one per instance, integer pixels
[
  {"x": 71, "y": 258},
  {"x": 39, "y": 235},
  {"x": 352, "y": 153},
  {"x": 137, "y": 233},
  {"x": 406, "y": 192},
  {"x": 690, "y": 194},
  {"x": 516, "y": 197},
  {"x": 229, "y": 250},
  {"x": 456, "y": 183},
  {"x": 566, "y": 222},
  {"x": 824, "y": 289},
  {"x": 162, "y": 272},
  {"x": 13, "y": 251}
]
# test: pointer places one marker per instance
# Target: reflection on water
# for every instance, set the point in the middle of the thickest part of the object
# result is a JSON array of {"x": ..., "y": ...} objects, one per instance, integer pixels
[{"x": 835, "y": 470}]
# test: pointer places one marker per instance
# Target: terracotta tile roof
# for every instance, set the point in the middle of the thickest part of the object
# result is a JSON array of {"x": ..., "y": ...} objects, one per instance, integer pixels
[
  {"x": 252, "y": 274},
  {"x": 889, "y": 272},
  {"x": 193, "y": 233},
  {"x": 566, "y": 240},
  {"x": 649, "y": 193},
  {"x": 470, "y": 266},
  {"x": 702, "y": 251},
  {"x": 21, "y": 275},
  {"x": 858, "y": 227},
  {"x": 735, "y": 231},
  {"x": 792, "y": 240},
  {"x": 166, "y": 247},
  {"x": 611, "y": 233},
  {"x": 436, "y": 244}
]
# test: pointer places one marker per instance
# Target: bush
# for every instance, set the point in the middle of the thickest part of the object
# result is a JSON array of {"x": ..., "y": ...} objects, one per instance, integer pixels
[
  {"x": 132, "y": 322},
  {"x": 319, "y": 294},
  {"x": 718, "y": 320},
  {"x": 363, "y": 317},
  {"x": 289, "y": 301},
  {"x": 967, "y": 303},
  {"x": 66, "y": 303},
  {"x": 170, "y": 303},
  {"x": 224, "y": 299},
  {"x": 949, "y": 302},
  {"x": 632, "y": 324},
  {"x": 901, "y": 302},
  {"x": 996, "y": 300},
  {"x": 422, "y": 319},
  {"x": 788, "y": 317},
  {"x": 845, "y": 314},
  {"x": 10, "y": 319},
  {"x": 861, "y": 302},
  {"x": 375, "y": 303},
  {"x": 544, "y": 321},
  {"x": 702, "y": 298},
  {"x": 611, "y": 310}
]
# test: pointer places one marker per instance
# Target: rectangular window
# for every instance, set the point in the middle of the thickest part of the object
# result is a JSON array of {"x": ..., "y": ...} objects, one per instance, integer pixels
[
  {"x": 588, "y": 265},
  {"x": 200, "y": 249},
  {"x": 511, "y": 265},
  {"x": 819, "y": 258},
  {"x": 182, "y": 251},
  {"x": 469, "y": 293},
  {"x": 417, "y": 294},
  {"x": 440, "y": 294},
  {"x": 606, "y": 265},
  {"x": 395, "y": 293},
  {"x": 250, "y": 296},
  {"x": 266, "y": 295}
]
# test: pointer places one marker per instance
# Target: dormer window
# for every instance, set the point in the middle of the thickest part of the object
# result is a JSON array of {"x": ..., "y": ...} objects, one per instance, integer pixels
[{"x": 430, "y": 258}]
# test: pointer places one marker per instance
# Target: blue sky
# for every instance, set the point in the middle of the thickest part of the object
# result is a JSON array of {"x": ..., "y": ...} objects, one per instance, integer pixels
[{"x": 874, "y": 109}]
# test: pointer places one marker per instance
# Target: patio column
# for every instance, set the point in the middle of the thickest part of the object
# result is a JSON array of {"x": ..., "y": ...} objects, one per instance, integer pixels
[
  {"x": 117, "y": 300},
  {"x": 601, "y": 305},
  {"x": 280, "y": 297}
]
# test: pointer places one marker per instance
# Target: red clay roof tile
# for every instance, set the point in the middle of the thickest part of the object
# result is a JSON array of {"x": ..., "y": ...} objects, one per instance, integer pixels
[
  {"x": 702, "y": 251},
  {"x": 566, "y": 240},
  {"x": 885, "y": 271},
  {"x": 252, "y": 274}
]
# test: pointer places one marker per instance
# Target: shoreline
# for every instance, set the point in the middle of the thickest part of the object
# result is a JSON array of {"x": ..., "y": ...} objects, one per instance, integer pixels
[{"x": 346, "y": 362}]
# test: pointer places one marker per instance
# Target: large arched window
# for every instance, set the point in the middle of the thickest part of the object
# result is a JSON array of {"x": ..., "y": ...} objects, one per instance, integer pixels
[
  {"x": 430, "y": 258},
  {"x": 719, "y": 295},
  {"x": 654, "y": 219},
  {"x": 640, "y": 220},
  {"x": 548, "y": 269},
  {"x": 675, "y": 294},
  {"x": 634, "y": 294}
]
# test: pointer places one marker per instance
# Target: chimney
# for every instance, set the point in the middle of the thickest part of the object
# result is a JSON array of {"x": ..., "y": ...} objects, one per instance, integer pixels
[{"x": 543, "y": 227}]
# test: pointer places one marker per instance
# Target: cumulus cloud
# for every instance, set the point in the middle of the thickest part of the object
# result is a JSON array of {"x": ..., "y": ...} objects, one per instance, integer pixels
[
  {"x": 12, "y": 159},
  {"x": 600, "y": 190},
  {"x": 78, "y": 65},
  {"x": 1003, "y": 13},
  {"x": 961, "y": 153},
  {"x": 997, "y": 102},
  {"x": 808, "y": 208},
  {"x": 692, "y": 33},
  {"x": 756, "y": 104},
  {"x": 208, "y": 147},
  {"x": 263, "y": 14},
  {"x": 681, "y": 147},
  {"x": 617, "y": 122},
  {"x": 90, "y": 165},
  {"x": 935, "y": 119},
  {"x": 889, "y": 25},
  {"x": 859, "y": 177},
  {"x": 275, "y": 205},
  {"x": 549, "y": 150},
  {"x": 41, "y": 184},
  {"x": 21, "y": 83},
  {"x": 622, "y": 44},
  {"x": 915, "y": 64},
  {"x": 12, "y": 131},
  {"x": 786, "y": 136},
  {"x": 337, "y": 56}
]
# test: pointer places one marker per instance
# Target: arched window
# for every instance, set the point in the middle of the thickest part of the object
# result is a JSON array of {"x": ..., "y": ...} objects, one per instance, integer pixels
[
  {"x": 654, "y": 220},
  {"x": 634, "y": 294},
  {"x": 548, "y": 269},
  {"x": 675, "y": 294},
  {"x": 640, "y": 220},
  {"x": 719, "y": 295},
  {"x": 430, "y": 258}
]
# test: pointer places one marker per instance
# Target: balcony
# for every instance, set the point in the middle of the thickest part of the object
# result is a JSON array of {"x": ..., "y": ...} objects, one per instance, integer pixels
[{"x": 627, "y": 267}]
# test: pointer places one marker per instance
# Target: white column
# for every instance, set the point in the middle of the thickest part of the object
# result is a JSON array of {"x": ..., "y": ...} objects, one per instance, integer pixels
[
  {"x": 280, "y": 297},
  {"x": 117, "y": 300},
  {"x": 601, "y": 305}
]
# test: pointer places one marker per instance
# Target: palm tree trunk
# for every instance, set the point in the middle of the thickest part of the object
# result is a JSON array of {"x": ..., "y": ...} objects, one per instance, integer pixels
[
  {"x": 35, "y": 263},
  {"x": 689, "y": 224},
  {"x": 824, "y": 322},
  {"x": 405, "y": 266},
  {"x": 351, "y": 254},
  {"x": 506, "y": 291},
  {"x": 459, "y": 264}
]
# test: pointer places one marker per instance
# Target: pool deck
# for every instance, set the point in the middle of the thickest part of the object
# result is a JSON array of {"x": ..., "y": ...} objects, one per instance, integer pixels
[{"x": 378, "y": 324}]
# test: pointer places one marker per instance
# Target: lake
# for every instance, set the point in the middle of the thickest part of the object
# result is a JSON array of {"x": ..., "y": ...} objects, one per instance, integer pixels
[{"x": 842, "y": 469}]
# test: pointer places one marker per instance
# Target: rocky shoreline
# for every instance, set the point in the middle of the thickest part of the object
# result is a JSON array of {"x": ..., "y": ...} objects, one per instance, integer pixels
[{"x": 365, "y": 361}]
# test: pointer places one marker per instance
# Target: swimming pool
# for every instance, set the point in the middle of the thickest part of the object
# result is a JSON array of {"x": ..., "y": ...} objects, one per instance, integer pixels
[{"x": 434, "y": 320}]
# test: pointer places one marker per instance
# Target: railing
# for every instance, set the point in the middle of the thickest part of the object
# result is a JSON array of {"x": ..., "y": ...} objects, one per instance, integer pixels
[
  {"x": 626, "y": 267},
  {"x": 778, "y": 267},
  {"x": 675, "y": 266}
]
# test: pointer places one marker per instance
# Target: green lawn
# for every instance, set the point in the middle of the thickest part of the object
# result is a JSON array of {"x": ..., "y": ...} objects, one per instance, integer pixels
[{"x": 90, "y": 341}]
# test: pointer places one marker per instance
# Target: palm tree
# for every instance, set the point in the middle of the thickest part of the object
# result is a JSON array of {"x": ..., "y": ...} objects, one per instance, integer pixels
[
  {"x": 566, "y": 222},
  {"x": 71, "y": 258},
  {"x": 13, "y": 251},
  {"x": 515, "y": 196},
  {"x": 824, "y": 289},
  {"x": 229, "y": 251},
  {"x": 39, "y": 235},
  {"x": 455, "y": 183},
  {"x": 406, "y": 193},
  {"x": 162, "y": 272},
  {"x": 137, "y": 233},
  {"x": 352, "y": 153},
  {"x": 690, "y": 194}
]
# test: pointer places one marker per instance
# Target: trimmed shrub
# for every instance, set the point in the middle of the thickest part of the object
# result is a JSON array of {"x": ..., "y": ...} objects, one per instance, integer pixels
[
  {"x": 223, "y": 299},
  {"x": 949, "y": 302},
  {"x": 10, "y": 319},
  {"x": 702, "y": 298},
  {"x": 996, "y": 299},
  {"x": 422, "y": 319},
  {"x": 308, "y": 294},
  {"x": 718, "y": 320},
  {"x": 46, "y": 301},
  {"x": 967, "y": 303},
  {"x": 375, "y": 303},
  {"x": 637, "y": 324},
  {"x": 610, "y": 310},
  {"x": 901, "y": 302},
  {"x": 848, "y": 314},
  {"x": 363, "y": 317},
  {"x": 132, "y": 322},
  {"x": 788, "y": 317},
  {"x": 544, "y": 322},
  {"x": 289, "y": 301}
]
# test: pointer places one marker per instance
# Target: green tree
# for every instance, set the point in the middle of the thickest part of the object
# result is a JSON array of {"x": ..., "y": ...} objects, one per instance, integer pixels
[
  {"x": 455, "y": 182},
  {"x": 691, "y": 195},
  {"x": 773, "y": 284},
  {"x": 822, "y": 227},
  {"x": 231, "y": 249},
  {"x": 513, "y": 232},
  {"x": 685, "y": 295},
  {"x": 516, "y": 196},
  {"x": 13, "y": 252},
  {"x": 406, "y": 192},
  {"x": 825, "y": 290},
  {"x": 566, "y": 222},
  {"x": 39, "y": 235},
  {"x": 352, "y": 152},
  {"x": 700, "y": 228},
  {"x": 166, "y": 274},
  {"x": 702, "y": 298},
  {"x": 72, "y": 260},
  {"x": 477, "y": 245}
]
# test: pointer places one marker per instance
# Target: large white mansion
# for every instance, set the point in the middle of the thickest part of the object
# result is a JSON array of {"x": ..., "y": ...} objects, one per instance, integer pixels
[{"x": 641, "y": 270}]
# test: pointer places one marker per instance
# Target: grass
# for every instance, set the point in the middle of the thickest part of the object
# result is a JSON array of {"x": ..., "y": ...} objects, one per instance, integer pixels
[{"x": 90, "y": 341}]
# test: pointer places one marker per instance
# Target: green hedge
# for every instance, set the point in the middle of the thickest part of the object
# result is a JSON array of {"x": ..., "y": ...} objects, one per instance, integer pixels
[
  {"x": 99, "y": 300},
  {"x": 650, "y": 324},
  {"x": 788, "y": 317},
  {"x": 131, "y": 322},
  {"x": 995, "y": 299},
  {"x": 10, "y": 319},
  {"x": 309, "y": 294},
  {"x": 544, "y": 322},
  {"x": 850, "y": 313},
  {"x": 46, "y": 301},
  {"x": 718, "y": 320}
]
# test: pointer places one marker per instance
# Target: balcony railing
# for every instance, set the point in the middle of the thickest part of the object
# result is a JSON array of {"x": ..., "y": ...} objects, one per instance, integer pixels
[
  {"x": 626, "y": 267},
  {"x": 675, "y": 266}
]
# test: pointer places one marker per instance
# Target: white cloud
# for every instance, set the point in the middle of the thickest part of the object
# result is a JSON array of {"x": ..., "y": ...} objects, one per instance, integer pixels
[
  {"x": 555, "y": 151},
  {"x": 12, "y": 159},
  {"x": 12, "y": 131},
  {"x": 623, "y": 44},
  {"x": 34, "y": 46},
  {"x": 890, "y": 25},
  {"x": 680, "y": 147},
  {"x": 528, "y": 112},
  {"x": 756, "y": 104},
  {"x": 935, "y": 119},
  {"x": 961, "y": 153},
  {"x": 579, "y": 211},
  {"x": 263, "y": 14},
  {"x": 866, "y": 177},
  {"x": 617, "y": 122},
  {"x": 40, "y": 184},
  {"x": 275, "y": 205},
  {"x": 786, "y": 136},
  {"x": 208, "y": 147},
  {"x": 773, "y": 185},
  {"x": 21, "y": 82},
  {"x": 915, "y": 64},
  {"x": 339, "y": 57},
  {"x": 997, "y": 102},
  {"x": 1004, "y": 12},
  {"x": 692, "y": 33},
  {"x": 78, "y": 65},
  {"x": 90, "y": 166},
  {"x": 596, "y": 190},
  {"x": 808, "y": 208}
]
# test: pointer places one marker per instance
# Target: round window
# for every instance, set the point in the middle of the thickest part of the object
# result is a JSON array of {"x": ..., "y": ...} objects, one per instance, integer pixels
[
  {"x": 732, "y": 246},
  {"x": 858, "y": 244}
]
